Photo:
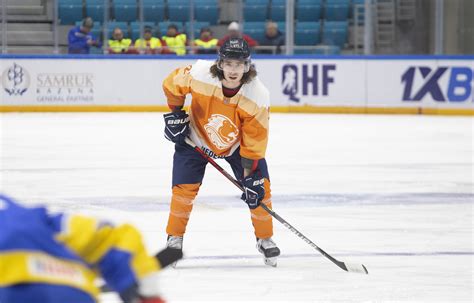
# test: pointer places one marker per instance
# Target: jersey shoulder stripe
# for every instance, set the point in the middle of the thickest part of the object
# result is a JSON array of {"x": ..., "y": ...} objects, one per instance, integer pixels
[
  {"x": 256, "y": 92},
  {"x": 200, "y": 71}
]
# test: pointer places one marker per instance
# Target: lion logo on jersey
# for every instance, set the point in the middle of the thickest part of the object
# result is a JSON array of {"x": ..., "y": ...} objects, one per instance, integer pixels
[{"x": 221, "y": 131}]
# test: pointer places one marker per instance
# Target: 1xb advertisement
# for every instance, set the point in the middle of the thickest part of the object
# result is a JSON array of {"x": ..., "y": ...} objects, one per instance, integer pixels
[{"x": 421, "y": 83}]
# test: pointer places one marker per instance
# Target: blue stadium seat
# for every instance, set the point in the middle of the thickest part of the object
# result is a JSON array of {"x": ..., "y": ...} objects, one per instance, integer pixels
[
  {"x": 337, "y": 10},
  {"x": 94, "y": 2},
  {"x": 307, "y": 33},
  {"x": 95, "y": 10},
  {"x": 256, "y": 34},
  {"x": 138, "y": 23},
  {"x": 308, "y": 10},
  {"x": 77, "y": 2},
  {"x": 153, "y": 10},
  {"x": 74, "y": 2},
  {"x": 258, "y": 27},
  {"x": 335, "y": 33},
  {"x": 359, "y": 6},
  {"x": 278, "y": 10},
  {"x": 197, "y": 28},
  {"x": 254, "y": 11},
  {"x": 281, "y": 26},
  {"x": 125, "y": 10},
  {"x": 206, "y": 11},
  {"x": 256, "y": 30},
  {"x": 260, "y": 2},
  {"x": 254, "y": 25},
  {"x": 158, "y": 2},
  {"x": 70, "y": 11},
  {"x": 135, "y": 29},
  {"x": 178, "y": 11},
  {"x": 206, "y": 2}
]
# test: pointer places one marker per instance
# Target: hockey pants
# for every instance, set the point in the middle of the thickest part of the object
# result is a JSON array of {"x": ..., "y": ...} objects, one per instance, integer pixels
[{"x": 188, "y": 172}]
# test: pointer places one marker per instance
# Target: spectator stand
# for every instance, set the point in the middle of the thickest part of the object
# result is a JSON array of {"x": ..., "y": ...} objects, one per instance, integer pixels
[{"x": 320, "y": 26}]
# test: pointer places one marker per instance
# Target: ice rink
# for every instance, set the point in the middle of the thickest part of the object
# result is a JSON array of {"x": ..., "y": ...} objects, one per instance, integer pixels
[{"x": 392, "y": 192}]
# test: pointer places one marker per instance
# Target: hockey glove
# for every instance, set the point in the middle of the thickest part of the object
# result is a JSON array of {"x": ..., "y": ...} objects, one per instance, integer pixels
[
  {"x": 176, "y": 126},
  {"x": 253, "y": 190}
]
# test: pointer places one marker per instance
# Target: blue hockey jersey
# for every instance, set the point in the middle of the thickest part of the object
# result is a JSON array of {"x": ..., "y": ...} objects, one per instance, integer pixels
[{"x": 53, "y": 258}]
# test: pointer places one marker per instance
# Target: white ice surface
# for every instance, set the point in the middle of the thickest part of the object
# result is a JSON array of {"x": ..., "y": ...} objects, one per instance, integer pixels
[{"x": 392, "y": 192}]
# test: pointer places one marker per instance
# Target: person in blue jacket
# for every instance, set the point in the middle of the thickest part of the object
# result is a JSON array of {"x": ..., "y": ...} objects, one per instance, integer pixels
[
  {"x": 80, "y": 38},
  {"x": 56, "y": 258}
]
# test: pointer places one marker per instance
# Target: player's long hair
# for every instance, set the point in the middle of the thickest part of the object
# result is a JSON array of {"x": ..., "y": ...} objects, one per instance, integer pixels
[{"x": 246, "y": 78}]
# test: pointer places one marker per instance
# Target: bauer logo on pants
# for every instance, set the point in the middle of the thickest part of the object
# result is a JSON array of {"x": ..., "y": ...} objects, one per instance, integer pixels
[{"x": 221, "y": 131}]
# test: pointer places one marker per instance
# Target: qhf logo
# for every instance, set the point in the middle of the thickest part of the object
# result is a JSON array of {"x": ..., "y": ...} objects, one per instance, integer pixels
[
  {"x": 15, "y": 80},
  {"x": 458, "y": 88},
  {"x": 296, "y": 80}
]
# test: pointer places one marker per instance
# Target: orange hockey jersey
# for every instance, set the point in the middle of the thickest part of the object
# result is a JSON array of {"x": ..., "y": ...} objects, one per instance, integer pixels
[{"x": 219, "y": 125}]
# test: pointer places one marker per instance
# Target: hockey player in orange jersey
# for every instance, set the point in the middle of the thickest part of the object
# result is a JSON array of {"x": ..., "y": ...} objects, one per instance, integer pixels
[{"x": 228, "y": 118}]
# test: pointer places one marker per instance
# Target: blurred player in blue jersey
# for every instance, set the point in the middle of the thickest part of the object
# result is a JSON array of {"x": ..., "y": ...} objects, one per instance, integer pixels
[{"x": 48, "y": 258}]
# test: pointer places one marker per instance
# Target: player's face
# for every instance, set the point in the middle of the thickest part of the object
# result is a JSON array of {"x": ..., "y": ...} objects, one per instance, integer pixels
[{"x": 233, "y": 70}]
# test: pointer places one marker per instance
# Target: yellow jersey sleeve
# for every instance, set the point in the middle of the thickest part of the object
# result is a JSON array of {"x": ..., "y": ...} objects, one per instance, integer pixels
[
  {"x": 117, "y": 251},
  {"x": 177, "y": 85}
]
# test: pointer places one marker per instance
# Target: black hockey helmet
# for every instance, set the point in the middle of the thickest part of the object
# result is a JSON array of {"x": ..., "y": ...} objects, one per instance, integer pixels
[{"x": 235, "y": 48}]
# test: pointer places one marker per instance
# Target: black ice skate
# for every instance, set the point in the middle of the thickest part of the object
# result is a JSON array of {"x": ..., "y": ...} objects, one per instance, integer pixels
[
  {"x": 175, "y": 242},
  {"x": 269, "y": 250}
]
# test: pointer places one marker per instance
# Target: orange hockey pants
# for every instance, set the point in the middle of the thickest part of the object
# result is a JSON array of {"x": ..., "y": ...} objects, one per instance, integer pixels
[{"x": 182, "y": 205}]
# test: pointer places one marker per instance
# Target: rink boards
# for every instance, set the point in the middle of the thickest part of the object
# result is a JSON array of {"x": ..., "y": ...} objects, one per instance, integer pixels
[{"x": 332, "y": 84}]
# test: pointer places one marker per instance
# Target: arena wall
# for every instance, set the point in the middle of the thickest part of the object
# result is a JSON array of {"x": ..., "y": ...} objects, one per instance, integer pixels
[{"x": 308, "y": 84}]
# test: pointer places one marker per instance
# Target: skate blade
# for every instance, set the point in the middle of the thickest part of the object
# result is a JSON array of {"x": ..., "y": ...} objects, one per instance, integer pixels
[
  {"x": 174, "y": 264},
  {"x": 270, "y": 261}
]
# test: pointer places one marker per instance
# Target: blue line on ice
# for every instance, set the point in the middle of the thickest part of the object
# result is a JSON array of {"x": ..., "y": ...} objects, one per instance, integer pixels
[{"x": 372, "y": 254}]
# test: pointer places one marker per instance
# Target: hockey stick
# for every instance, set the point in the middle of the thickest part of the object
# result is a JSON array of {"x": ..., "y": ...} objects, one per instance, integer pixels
[
  {"x": 350, "y": 267},
  {"x": 165, "y": 257}
]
